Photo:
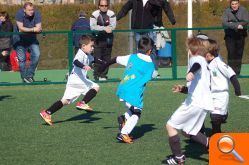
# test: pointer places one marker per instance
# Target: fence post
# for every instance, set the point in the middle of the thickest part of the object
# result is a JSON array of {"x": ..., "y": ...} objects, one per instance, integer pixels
[
  {"x": 70, "y": 50},
  {"x": 174, "y": 57}
]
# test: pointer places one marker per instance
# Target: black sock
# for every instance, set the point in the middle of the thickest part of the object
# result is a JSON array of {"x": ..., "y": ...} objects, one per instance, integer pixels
[
  {"x": 216, "y": 127},
  {"x": 175, "y": 145},
  {"x": 55, "y": 107},
  {"x": 200, "y": 138},
  {"x": 203, "y": 129},
  {"x": 89, "y": 95},
  {"x": 216, "y": 121}
]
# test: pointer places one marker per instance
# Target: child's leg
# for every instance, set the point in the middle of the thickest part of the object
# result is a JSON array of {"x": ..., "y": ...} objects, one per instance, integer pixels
[
  {"x": 174, "y": 140},
  {"x": 131, "y": 121},
  {"x": 200, "y": 138},
  {"x": 56, "y": 106},
  {"x": 90, "y": 95},
  {"x": 216, "y": 121}
]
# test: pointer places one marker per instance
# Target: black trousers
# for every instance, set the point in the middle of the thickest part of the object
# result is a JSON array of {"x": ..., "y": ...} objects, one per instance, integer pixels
[
  {"x": 103, "y": 53},
  {"x": 235, "y": 48}
]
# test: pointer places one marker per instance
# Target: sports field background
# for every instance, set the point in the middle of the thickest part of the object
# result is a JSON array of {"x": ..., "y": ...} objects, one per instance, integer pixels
[{"x": 84, "y": 138}]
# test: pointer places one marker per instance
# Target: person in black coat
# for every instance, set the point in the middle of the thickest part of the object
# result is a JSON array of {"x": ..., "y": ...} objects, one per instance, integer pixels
[{"x": 5, "y": 41}]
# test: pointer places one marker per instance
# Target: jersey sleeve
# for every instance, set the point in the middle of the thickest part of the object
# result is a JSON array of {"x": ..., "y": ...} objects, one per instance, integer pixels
[
  {"x": 123, "y": 60},
  {"x": 37, "y": 17},
  {"x": 226, "y": 70},
  {"x": 19, "y": 16}
]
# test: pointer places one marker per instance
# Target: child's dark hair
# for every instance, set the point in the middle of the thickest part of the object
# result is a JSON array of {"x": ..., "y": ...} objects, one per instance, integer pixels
[
  {"x": 108, "y": 3},
  {"x": 85, "y": 40},
  {"x": 4, "y": 14},
  {"x": 145, "y": 44},
  {"x": 213, "y": 48}
]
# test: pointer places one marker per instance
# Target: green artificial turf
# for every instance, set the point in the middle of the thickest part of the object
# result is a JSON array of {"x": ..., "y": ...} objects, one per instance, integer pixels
[{"x": 78, "y": 137}]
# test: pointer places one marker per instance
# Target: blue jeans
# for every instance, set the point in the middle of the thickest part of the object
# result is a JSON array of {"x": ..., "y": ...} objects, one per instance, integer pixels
[
  {"x": 152, "y": 35},
  {"x": 21, "y": 50}
]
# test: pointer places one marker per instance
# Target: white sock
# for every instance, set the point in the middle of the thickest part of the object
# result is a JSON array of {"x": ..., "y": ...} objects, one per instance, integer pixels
[
  {"x": 130, "y": 124},
  {"x": 127, "y": 114}
]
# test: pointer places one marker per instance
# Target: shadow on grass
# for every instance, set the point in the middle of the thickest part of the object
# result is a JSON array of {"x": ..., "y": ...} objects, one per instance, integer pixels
[
  {"x": 87, "y": 117},
  {"x": 5, "y": 97},
  {"x": 139, "y": 131},
  {"x": 194, "y": 150}
]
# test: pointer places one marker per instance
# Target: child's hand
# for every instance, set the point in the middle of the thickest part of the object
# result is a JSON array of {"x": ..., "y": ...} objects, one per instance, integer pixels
[
  {"x": 5, "y": 53},
  {"x": 87, "y": 68},
  {"x": 177, "y": 88},
  {"x": 190, "y": 76}
]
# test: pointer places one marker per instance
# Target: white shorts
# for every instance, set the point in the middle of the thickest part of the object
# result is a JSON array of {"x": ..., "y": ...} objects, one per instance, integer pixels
[
  {"x": 188, "y": 118},
  {"x": 220, "y": 101},
  {"x": 76, "y": 87}
]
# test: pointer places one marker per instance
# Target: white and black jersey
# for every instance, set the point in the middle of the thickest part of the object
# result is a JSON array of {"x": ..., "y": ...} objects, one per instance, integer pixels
[
  {"x": 220, "y": 75},
  {"x": 199, "y": 93}
]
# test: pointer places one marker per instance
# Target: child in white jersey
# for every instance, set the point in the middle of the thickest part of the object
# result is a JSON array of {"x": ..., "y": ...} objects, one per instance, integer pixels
[
  {"x": 78, "y": 83},
  {"x": 221, "y": 74},
  {"x": 189, "y": 117}
]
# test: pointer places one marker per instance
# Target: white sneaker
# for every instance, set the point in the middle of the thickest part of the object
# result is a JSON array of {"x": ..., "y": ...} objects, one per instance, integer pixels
[
  {"x": 102, "y": 79},
  {"x": 155, "y": 74}
]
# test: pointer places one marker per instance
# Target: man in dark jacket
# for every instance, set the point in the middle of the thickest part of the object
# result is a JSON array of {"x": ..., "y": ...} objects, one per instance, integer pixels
[
  {"x": 80, "y": 24},
  {"x": 144, "y": 12},
  {"x": 235, "y": 20},
  {"x": 144, "y": 15}
]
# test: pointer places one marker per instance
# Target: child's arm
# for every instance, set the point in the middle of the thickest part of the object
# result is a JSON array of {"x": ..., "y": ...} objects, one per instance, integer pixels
[
  {"x": 80, "y": 65},
  {"x": 236, "y": 85},
  {"x": 122, "y": 60},
  {"x": 180, "y": 88},
  {"x": 190, "y": 75}
]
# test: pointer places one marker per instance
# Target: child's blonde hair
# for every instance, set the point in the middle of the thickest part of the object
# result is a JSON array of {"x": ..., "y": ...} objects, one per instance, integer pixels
[{"x": 196, "y": 46}]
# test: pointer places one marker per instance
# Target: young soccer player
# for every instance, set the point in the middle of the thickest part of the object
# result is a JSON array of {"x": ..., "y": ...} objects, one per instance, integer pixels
[
  {"x": 221, "y": 73},
  {"x": 78, "y": 83},
  {"x": 189, "y": 117},
  {"x": 139, "y": 70}
]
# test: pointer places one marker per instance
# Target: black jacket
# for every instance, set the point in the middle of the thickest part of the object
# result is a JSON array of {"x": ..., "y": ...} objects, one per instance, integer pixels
[{"x": 144, "y": 17}]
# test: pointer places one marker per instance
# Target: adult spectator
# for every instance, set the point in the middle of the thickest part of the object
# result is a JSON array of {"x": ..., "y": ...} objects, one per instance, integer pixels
[
  {"x": 28, "y": 20},
  {"x": 103, "y": 20},
  {"x": 5, "y": 41},
  {"x": 81, "y": 24},
  {"x": 235, "y": 20},
  {"x": 146, "y": 14}
]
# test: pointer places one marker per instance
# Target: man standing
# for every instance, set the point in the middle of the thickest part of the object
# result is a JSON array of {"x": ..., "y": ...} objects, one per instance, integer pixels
[
  {"x": 235, "y": 20},
  {"x": 28, "y": 21},
  {"x": 103, "y": 20},
  {"x": 80, "y": 24},
  {"x": 145, "y": 14}
]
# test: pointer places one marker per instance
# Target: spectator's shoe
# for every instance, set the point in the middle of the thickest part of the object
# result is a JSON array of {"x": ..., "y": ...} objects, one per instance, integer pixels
[
  {"x": 121, "y": 122},
  {"x": 26, "y": 80},
  {"x": 82, "y": 106},
  {"x": 102, "y": 79},
  {"x": 124, "y": 138},
  {"x": 46, "y": 117},
  {"x": 171, "y": 160},
  {"x": 31, "y": 79},
  {"x": 155, "y": 74}
]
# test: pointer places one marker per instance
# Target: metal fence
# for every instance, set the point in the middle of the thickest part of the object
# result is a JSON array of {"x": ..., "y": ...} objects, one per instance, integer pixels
[{"x": 57, "y": 54}]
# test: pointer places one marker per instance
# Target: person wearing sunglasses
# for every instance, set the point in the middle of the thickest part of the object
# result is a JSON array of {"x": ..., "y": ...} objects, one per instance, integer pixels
[{"x": 103, "y": 21}]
